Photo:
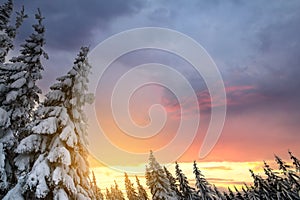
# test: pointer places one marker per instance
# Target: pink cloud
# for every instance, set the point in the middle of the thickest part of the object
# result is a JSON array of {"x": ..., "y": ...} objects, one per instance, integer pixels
[
  {"x": 239, "y": 88},
  {"x": 237, "y": 96}
]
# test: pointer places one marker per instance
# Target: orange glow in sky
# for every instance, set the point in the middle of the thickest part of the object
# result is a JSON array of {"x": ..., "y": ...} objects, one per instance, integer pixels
[{"x": 221, "y": 174}]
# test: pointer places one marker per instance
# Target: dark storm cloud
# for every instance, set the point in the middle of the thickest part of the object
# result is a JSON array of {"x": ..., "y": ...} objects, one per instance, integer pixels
[
  {"x": 254, "y": 43},
  {"x": 70, "y": 24},
  {"x": 279, "y": 56}
]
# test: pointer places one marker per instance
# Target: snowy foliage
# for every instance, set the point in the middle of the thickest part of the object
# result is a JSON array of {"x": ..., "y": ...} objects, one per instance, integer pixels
[
  {"x": 273, "y": 186},
  {"x": 4, "y": 118},
  {"x": 6, "y": 41},
  {"x": 37, "y": 177},
  {"x": 142, "y": 194},
  {"x": 13, "y": 98},
  {"x": 26, "y": 71},
  {"x": 97, "y": 191},
  {"x": 15, "y": 193},
  {"x": 187, "y": 192},
  {"x": 172, "y": 182},
  {"x": 47, "y": 126},
  {"x": 130, "y": 191},
  {"x": 157, "y": 181},
  {"x": 285, "y": 185},
  {"x": 60, "y": 194},
  {"x": 8, "y": 31},
  {"x": 114, "y": 193},
  {"x": 204, "y": 189},
  {"x": 57, "y": 135}
]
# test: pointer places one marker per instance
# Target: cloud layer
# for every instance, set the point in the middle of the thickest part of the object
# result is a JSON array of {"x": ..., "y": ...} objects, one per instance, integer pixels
[{"x": 255, "y": 45}]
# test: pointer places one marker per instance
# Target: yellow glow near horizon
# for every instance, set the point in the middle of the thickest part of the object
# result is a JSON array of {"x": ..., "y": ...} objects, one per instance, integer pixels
[{"x": 221, "y": 174}]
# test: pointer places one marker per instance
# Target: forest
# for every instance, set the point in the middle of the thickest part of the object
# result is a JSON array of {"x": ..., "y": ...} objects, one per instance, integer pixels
[{"x": 43, "y": 153}]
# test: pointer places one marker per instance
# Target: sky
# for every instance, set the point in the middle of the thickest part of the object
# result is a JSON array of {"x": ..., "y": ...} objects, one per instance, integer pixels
[{"x": 254, "y": 44}]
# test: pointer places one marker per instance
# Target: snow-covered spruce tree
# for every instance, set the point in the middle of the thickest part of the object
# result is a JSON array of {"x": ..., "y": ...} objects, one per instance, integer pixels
[
  {"x": 31, "y": 53},
  {"x": 108, "y": 195},
  {"x": 238, "y": 194},
  {"x": 57, "y": 143},
  {"x": 295, "y": 175},
  {"x": 116, "y": 193},
  {"x": 218, "y": 193},
  {"x": 275, "y": 185},
  {"x": 7, "y": 31},
  {"x": 273, "y": 181},
  {"x": 172, "y": 182},
  {"x": 95, "y": 188},
  {"x": 187, "y": 192},
  {"x": 20, "y": 95},
  {"x": 157, "y": 181},
  {"x": 226, "y": 196},
  {"x": 204, "y": 190},
  {"x": 260, "y": 187},
  {"x": 251, "y": 193},
  {"x": 6, "y": 42},
  {"x": 289, "y": 186},
  {"x": 296, "y": 161},
  {"x": 245, "y": 190},
  {"x": 17, "y": 100},
  {"x": 142, "y": 194},
  {"x": 231, "y": 194},
  {"x": 130, "y": 191}
]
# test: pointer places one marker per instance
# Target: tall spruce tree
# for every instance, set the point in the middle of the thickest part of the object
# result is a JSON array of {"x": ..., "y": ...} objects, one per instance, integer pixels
[
  {"x": 172, "y": 182},
  {"x": 31, "y": 71},
  {"x": 296, "y": 161},
  {"x": 95, "y": 188},
  {"x": 7, "y": 35},
  {"x": 218, "y": 193},
  {"x": 187, "y": 192},
  {"x": 21, "y": 95},
  {"x": 204, "y": 190},
  {"x": 7, "y": 30},
  {"x": 260, "y": 188},
  {"x": 157, "y": 181},
  {"x": 108, "y": 195},
  {"x": 116, "y": 193},
  {"x": 238, "y": 194},
  {"x": 17, "y": 94},
  {"x": 6, "y": 42},
  {"x": 54, "y": 155},
  {"x": 231, "y": 194},
  {"x": 130, "y": 191},
  {"x": 142, "y": 194},
  {"x": 289, "y": 186}
]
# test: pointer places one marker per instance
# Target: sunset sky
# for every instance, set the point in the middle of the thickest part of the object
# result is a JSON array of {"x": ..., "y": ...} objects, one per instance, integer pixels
[{"x": 255, "y": 45}]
